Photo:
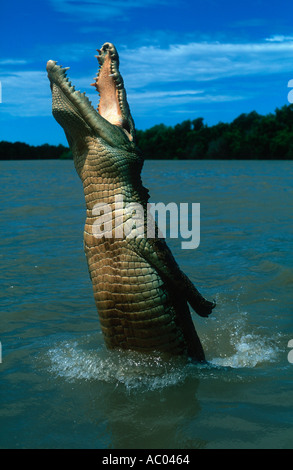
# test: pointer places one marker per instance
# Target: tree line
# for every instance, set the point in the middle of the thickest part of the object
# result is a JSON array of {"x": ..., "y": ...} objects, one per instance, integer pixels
[
  {"x": 249, "y": 136},
  {"x": 22, "y": 151}
]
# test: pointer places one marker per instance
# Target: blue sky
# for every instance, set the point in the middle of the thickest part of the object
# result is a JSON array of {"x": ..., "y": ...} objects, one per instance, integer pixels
[{"x": 180, "y": 60}]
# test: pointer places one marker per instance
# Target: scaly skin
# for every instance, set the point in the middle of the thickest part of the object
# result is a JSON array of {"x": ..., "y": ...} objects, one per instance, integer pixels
[{"x": 140, "y": 292}]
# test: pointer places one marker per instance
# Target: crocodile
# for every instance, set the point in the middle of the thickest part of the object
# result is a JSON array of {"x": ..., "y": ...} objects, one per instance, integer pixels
[{"x": 141, "y": 294}]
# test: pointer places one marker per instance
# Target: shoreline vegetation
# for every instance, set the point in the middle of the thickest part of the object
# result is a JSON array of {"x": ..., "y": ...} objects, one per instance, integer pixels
[{"x": 250, "y": 137}]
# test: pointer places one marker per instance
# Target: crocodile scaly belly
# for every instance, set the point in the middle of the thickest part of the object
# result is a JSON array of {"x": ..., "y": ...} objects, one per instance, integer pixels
[{"x": 135, "y": 308}]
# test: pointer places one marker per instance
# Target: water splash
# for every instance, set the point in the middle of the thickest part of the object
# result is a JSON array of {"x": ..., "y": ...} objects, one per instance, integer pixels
[
  {"x": 240, "y": 349},
  {"x": 250, "y": 351},
  {"x": 71, "y": 361},
  {"x": 235, "y": 345}
]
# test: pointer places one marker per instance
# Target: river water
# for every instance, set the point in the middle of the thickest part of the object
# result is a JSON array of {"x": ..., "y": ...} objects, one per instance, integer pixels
[{"x": 61, "y": 388}]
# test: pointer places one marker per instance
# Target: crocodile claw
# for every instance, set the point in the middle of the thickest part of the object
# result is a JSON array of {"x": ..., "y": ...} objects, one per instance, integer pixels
[{"x": 205, "y": 308}]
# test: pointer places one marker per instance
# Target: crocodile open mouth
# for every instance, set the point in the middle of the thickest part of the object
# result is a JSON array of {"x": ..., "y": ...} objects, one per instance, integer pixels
[
  {"x": 109, "y": 84},
  {"x": 113, "y": 105}
]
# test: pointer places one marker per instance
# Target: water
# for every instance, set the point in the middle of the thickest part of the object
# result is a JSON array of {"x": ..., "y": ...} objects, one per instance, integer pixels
[{"x": 60, "y": 387}]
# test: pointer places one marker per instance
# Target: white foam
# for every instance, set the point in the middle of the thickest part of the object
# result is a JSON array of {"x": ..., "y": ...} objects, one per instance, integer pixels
[
  {"x": 250, "y": 350},
  {"x": 235, "y": 347},
  {"x": 134, "y": 370}
]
